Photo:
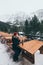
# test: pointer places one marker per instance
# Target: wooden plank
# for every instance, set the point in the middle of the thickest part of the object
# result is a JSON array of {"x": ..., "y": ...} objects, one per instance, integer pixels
[{"x": 31, "y": 46}]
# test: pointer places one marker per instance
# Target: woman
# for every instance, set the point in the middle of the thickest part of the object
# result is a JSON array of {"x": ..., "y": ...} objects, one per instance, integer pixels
[{"x": 17, "y": 50}]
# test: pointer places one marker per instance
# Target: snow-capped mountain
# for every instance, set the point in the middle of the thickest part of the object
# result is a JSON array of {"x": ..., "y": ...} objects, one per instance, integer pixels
[
  {"x": 21, "y": 17},
  {"x": 18, "y": 18},
  {"x": 38, "y": 13}
]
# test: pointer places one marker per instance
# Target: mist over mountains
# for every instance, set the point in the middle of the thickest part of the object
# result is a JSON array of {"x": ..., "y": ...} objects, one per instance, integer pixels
[
  {"x": 20, "y": 17},
  {"x": 38, "y": 13},
  {"x": 16, "y": 22}
]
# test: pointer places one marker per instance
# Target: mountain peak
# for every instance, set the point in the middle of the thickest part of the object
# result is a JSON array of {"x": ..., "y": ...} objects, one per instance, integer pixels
[{"x": 39, "y": 14}]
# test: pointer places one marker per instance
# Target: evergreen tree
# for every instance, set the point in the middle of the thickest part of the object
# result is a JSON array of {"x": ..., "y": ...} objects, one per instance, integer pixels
[
  {"x": 41, "y": 26},
  {"x": 26, "y": 28},
  {"x": 13, "y": 29},
  {"x": 34, "y": 24}
]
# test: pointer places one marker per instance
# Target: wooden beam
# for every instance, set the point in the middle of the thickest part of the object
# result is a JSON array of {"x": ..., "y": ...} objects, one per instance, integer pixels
[
  {"x": 41, "y": 50},
  {"x": 28, "y": 56}
]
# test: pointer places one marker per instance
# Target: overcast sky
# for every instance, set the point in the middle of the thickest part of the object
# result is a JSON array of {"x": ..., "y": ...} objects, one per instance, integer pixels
[{"x": 9, "y": 7}]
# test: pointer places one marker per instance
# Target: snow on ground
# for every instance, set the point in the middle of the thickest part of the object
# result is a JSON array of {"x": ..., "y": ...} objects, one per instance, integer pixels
[
  {"x": 5, "y": 57},
  {"x": 38, "y": 58},
  {"x": 6, "y": 60}
]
